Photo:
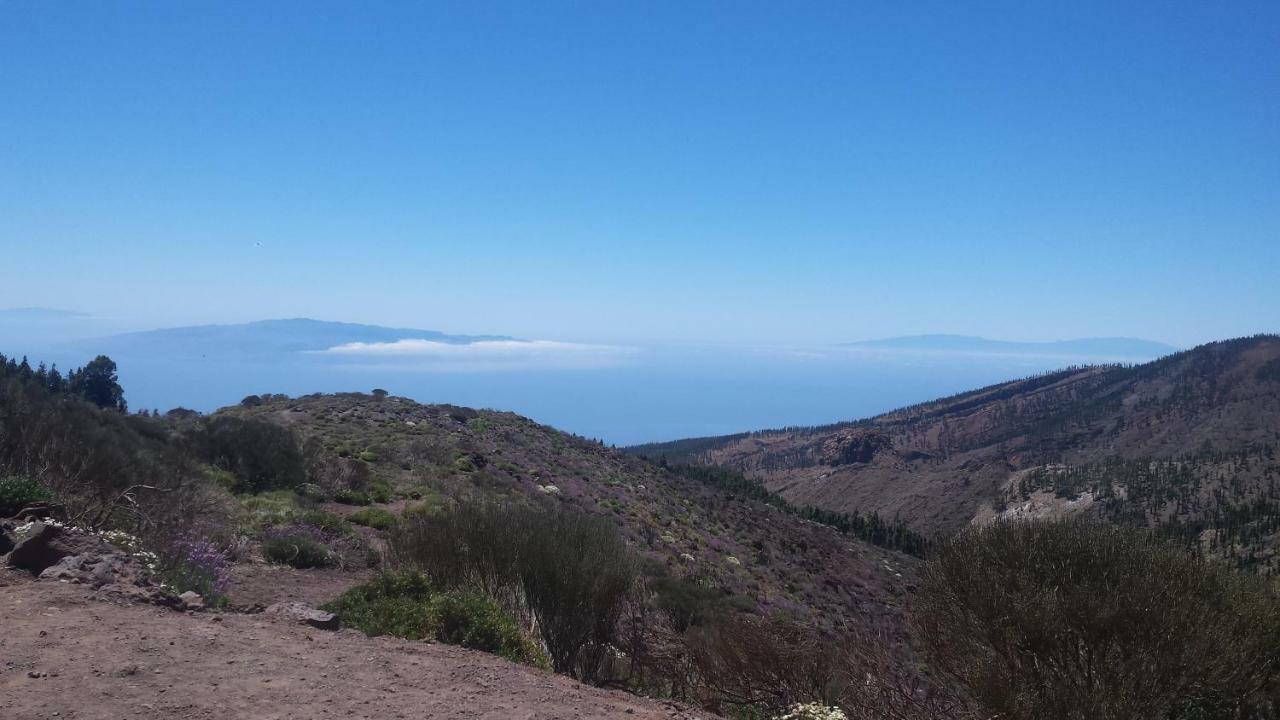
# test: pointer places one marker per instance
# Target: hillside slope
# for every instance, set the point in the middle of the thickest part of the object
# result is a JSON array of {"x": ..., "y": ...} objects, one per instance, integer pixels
[
  {"x": 763, "y": 559},
  {"x": 1188, "y": 442}
]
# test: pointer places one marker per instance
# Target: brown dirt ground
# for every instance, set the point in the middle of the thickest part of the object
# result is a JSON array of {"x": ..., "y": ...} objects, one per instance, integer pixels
[{"x": 67, "y": 654}]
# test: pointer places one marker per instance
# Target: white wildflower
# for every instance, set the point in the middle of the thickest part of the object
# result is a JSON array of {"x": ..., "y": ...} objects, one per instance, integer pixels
[{"x": 813, "y": 711}]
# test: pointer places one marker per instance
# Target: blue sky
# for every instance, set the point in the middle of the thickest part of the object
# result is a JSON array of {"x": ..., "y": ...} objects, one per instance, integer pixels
[{"x": 634, "y": 172}]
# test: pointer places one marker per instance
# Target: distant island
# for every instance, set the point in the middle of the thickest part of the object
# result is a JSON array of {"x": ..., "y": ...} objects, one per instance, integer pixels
[{"x": 270, "y": 337}]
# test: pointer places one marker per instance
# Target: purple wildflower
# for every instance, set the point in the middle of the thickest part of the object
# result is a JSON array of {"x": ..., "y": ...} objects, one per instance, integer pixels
[{"x": 201, "y": 566}]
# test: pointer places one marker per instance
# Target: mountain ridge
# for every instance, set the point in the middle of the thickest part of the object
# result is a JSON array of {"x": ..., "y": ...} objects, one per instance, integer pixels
[{"x": 1187, "y": 442}]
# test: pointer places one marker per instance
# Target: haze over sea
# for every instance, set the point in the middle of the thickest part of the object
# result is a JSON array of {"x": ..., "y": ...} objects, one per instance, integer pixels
[{"x": 623, "y": 394}]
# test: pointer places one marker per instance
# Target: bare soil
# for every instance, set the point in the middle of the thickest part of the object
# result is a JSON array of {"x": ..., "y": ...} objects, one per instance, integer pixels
[{"x": 65, "y": 653}]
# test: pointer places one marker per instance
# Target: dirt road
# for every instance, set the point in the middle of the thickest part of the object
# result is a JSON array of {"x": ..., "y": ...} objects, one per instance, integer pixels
[{"x": 64, "y": 654}]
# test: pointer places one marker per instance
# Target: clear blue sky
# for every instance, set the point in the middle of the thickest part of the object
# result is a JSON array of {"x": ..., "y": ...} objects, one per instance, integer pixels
[{"x": 729, "y": 171}]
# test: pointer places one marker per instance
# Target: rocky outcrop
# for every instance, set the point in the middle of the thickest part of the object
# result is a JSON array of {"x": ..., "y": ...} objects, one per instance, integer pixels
[{"x": 857, "y": 445}]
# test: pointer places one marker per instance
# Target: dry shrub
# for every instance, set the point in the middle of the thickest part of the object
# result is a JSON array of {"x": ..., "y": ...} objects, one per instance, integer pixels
[
  {"x": 1073, "y": 620},
  {"x": 772, "y": 664},
  {"x": 567, "y": 573}
]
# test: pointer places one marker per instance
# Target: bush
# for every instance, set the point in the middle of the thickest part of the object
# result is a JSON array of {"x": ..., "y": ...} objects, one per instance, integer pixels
[
  {"x": 404, "y": 604},
  {"x": 299, "y": 546},
  {"x": 376, "y": 518},
  {"x": 17, "y": 492},
  {"x": 262, "y": 455},
  {"x": 1075, "y": 620},
  {"x": 332, "y": 525},
  {"x": 570, "y": 572},
  {"x": 347, "y": 496}
]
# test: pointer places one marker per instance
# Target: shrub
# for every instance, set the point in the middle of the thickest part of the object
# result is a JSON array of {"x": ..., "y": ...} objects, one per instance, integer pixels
[
  {"x": 265, "y": 509},
  {"x": 376, "y": 518},
  {"x": 570, "y": 572},
  {"x": 404, "y": 604},
  {"x": 262, "y": 455},
  {"x": 197, "y": 565},
  {"x": 330, "y": 524},
  {"x": 381, "y": 492},
  {"x": 1068, "y": 619},
  {"x": 347, "y": 496},
  {"x": 299, "y": 546},
  {"x": 17, "y": 492}
]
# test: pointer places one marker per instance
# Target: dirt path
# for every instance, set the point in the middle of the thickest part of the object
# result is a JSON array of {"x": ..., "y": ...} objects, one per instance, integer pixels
[{"x": 64, "y": 654}]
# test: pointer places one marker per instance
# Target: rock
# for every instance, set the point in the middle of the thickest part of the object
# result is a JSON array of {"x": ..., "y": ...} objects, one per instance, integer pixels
[
  {"x": 70, "y": 567},
  {"x": 304, "y": 614},
  {"x": 191, "y": 600},
  {"x": 41, "y": 548}
]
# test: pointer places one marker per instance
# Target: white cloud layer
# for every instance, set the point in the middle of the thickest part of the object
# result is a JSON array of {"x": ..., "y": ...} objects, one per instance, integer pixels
[{"x": 484, "y": 355}]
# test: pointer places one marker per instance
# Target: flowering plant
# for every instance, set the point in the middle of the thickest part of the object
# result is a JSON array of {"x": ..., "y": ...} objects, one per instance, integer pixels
[{"x": 199, "y": 566}]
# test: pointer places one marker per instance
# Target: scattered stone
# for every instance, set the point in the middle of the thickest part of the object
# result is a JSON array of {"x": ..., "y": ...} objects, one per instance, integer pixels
[
  {"x": 191, "y": 600},
  {"x": 305, "y": 614}
]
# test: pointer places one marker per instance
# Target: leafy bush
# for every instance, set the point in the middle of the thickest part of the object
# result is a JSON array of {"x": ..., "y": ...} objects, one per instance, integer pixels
[
  {"x": 1076, "y": 620},
  {"x": 404, "y": 604},
  {"x": 299, "y": 546},
  {"x": 376, "y": 518},
  {"x": 262, "y": 455},
  {"x": 17, "y": 492}
]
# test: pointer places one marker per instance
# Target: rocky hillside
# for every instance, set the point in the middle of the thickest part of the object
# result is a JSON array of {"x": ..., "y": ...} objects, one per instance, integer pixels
[
  {"x": 765, "y": 560},
  {"x": 1187, "y": 443}
]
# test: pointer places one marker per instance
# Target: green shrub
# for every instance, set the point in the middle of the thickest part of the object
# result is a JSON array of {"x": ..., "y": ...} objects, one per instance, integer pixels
[
  {"x": 299, "y": 546},
  {"x": 262, "y": 455},
  {"x": 368, "y": 456},
  {"x": 1066, "y": 620},
  {"x": 347, "y": 496},
  {"x": 404, "y": 604},
  {"x": 17, "y": 492},
  {"x": 376, "y": 518},
  {"x": 265, "y": 509},
  {"x": 328, "y": 522},
  {"x": 381, "y": 492}
]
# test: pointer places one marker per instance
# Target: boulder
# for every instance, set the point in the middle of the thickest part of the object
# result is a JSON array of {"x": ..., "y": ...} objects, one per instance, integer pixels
[
  {"x": 191, "y": 600},
  {"x": 43, "y": 546},
  {"x": 304, "y": 614}
]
